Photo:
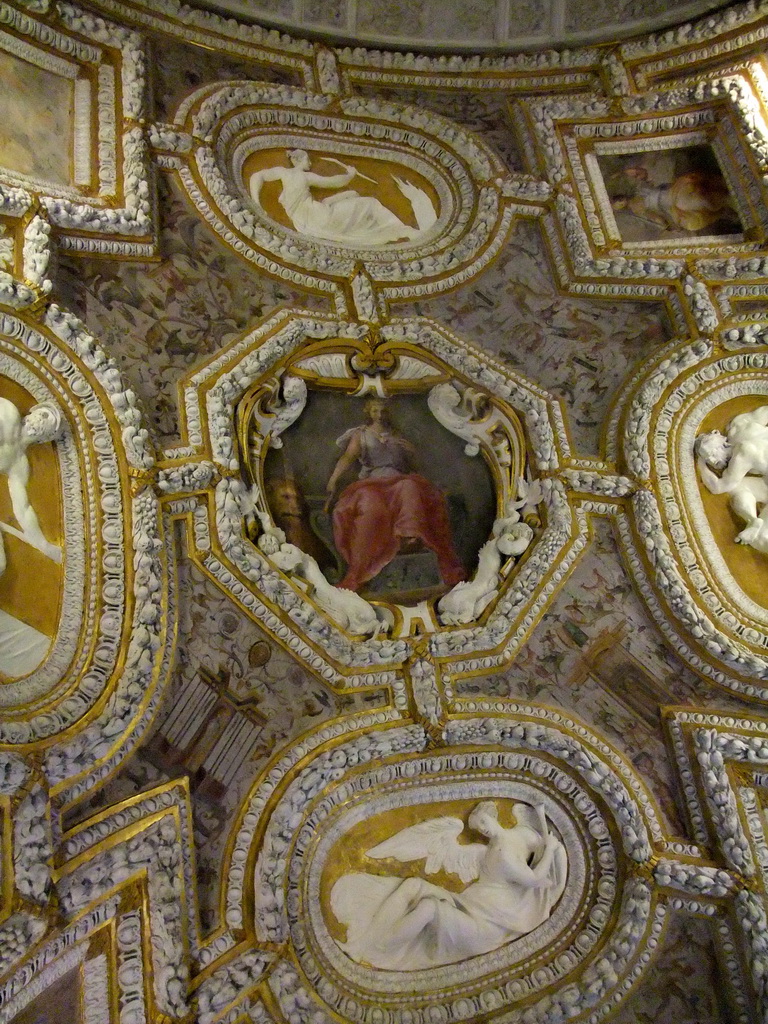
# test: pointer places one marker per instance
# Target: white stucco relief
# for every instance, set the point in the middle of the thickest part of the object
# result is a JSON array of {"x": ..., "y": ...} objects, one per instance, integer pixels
[
  {"x": 510, "y": 538},
  {"x": 345, "y": 217},
  {"x": 22, "y": 647},
  {"x": 345, "y": 607},
  {"x": 41, "y": 425},
  {"x": 412, "y": 924},
  {"x": 741, "y": 456}
]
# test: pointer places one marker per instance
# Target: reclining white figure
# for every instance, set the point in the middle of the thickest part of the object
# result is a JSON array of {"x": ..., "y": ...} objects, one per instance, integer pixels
[
  {"x": 411, "y": 924},
  {"x": 346, "y": 217}
]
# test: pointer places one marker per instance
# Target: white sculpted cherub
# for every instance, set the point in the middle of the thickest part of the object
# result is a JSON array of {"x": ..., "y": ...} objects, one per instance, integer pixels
[
  {"x": 410, "y": 924},
  {"x": 41, "y": 424},
  {"x": 741, "y": 456}
]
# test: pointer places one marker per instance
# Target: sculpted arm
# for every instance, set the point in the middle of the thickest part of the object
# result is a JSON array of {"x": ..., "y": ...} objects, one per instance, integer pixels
[
  {"x": 536, "y": 877},
  {"x": 541, "y": 870},
  {"x": 738, "y": 467},
  {"x": 18, "y": 478},
  {"x": 330, "y": 180},
  {"x": 259, "y": 177}
]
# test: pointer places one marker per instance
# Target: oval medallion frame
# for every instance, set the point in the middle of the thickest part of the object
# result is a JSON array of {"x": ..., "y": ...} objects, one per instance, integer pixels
[
  {"x": 116, "y": 627},
  {"x": 608, "y": 914},
  {"x": 242, "y": 149},
  {"x": 670, "y": 550},
  {"x": 75, "y": 620},
  {"x": 388, "y": 787},
  {"x": 225, "y": 125}
]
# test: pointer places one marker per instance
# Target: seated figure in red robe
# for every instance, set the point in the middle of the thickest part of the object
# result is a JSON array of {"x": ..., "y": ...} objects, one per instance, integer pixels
[{"x": 389, "y": 508}]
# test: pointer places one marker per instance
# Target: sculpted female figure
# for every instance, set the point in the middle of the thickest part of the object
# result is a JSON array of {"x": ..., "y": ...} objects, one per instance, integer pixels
[
  {"x": 389, "y": 507},
  {"x": 346, "y": 217},
  {"x": 411, "y": 924}
]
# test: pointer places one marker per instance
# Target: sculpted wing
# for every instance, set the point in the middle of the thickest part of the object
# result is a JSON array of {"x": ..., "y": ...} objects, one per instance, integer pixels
[{"x": 435, "y": 840}]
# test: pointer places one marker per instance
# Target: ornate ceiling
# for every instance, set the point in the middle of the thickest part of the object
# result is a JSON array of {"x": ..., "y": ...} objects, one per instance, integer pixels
[
  {"x": 465, "y": 25},
  {"x": 383, "y": 490}
]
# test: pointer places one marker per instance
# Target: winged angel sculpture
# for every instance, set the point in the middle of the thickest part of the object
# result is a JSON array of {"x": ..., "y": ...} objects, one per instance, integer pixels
[{"x": 410, "y": 924}]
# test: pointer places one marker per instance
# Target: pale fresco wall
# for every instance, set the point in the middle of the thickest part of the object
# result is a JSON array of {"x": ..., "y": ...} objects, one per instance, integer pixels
[
  {"x": 160, "y": 319},
  {"x": 683, "y": 987}
]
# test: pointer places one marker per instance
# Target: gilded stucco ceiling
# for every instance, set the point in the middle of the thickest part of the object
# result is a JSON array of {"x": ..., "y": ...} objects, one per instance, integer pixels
[{"x": 469, "y": 727}]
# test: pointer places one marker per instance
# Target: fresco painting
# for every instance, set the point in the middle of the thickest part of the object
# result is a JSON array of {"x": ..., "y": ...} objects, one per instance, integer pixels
[
  {"x": 381, "y": 495},
  {"x": 35, "y": 138},
  {"x": 669, "y": 194}
]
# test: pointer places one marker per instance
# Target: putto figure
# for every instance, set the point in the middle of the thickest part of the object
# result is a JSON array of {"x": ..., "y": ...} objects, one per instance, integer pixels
[
  {"x": 389, "y": 507},
  {"x": 741, "y": 455},
  {"x": 42, "y": 424},
  {"x": 346, "y": 217},
  {"x": 410, "y": 924}
]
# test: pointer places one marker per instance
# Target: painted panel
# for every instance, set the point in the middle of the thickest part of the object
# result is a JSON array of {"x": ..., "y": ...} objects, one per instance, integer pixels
[
  {"x": 672, "y": 193},
  {"x": 36, "y": 109},
  {"x": 406, "y": 517}
]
